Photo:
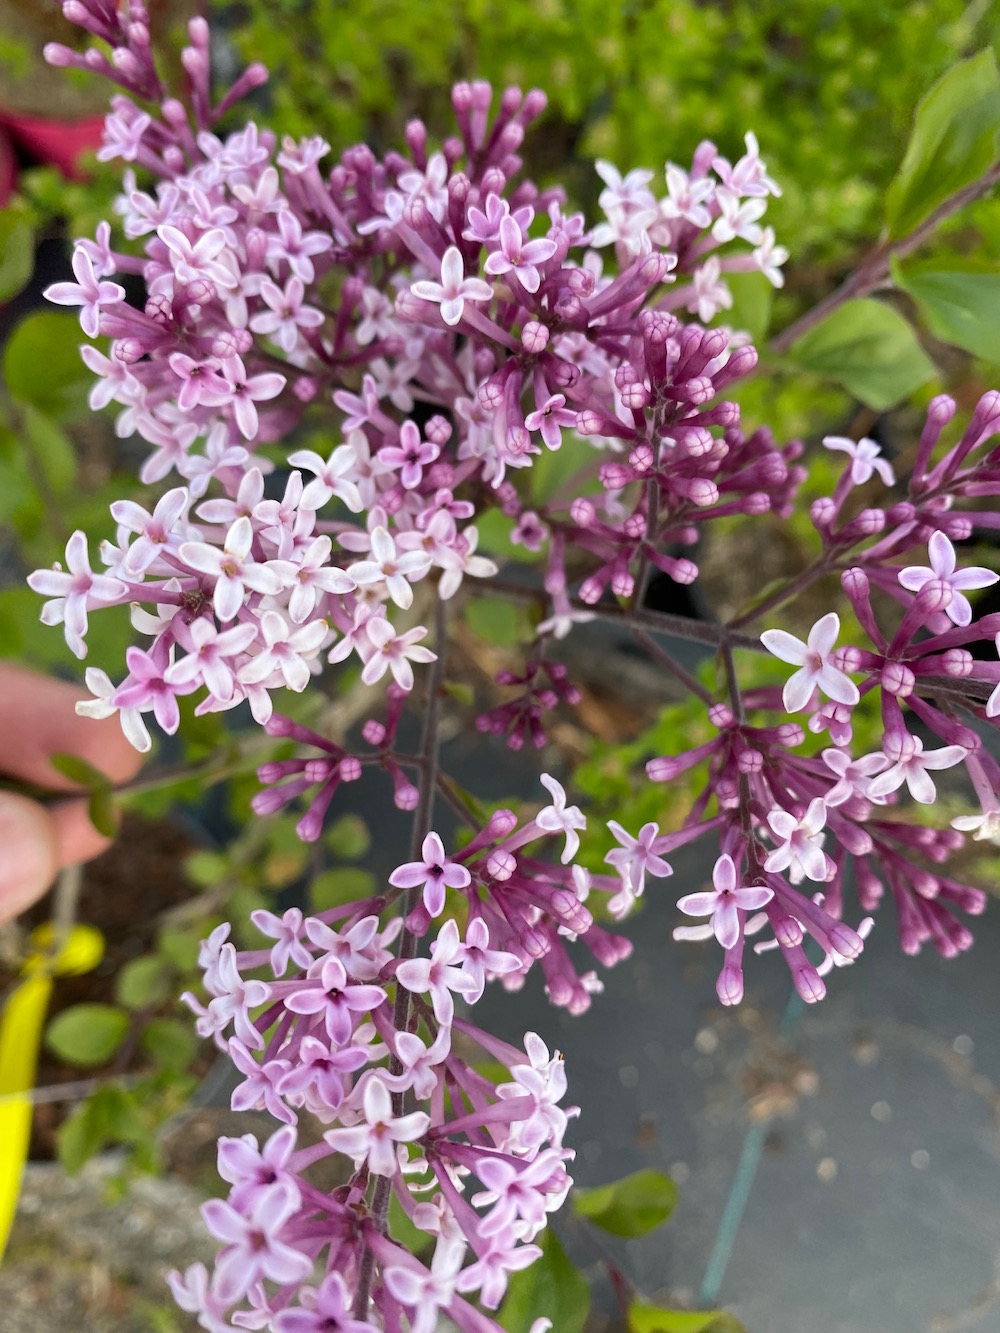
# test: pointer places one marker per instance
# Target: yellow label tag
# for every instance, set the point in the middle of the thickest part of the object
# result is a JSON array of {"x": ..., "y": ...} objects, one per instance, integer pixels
[{"x": 21, "y": 1025}]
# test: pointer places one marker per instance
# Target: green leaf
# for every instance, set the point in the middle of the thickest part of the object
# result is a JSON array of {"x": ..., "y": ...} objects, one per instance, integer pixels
[
  {"x": 143, "y": 983},
  {"x": 170, "y": 1042},
  {"x": 17, "y": 253},
  {"x": 343, "y": 885},
  {"x": 78, "y": 770},
  {"x": 52, "y": 449},
  {"x": 497, "y": 621},
  {"x": 112, "y": 1114},
  {"x": 348, "y": 837},
  {"x": 80, "y": 1138},
  {"x": 954, "y": 141},
  {"x": 494, "y": 530},
  {"x": 87, "y": 1034},
  {"x": 651, "y": 1319},
  {"x": 553, "y": 1287},
  {"x": 632, "y": 1206},
  {"x": 552, "y": 469},
  {"x": 180, "y": 947},
  {"x": 960, "y": 302},
  {"x": 103, "y": 812},
  {"x": 753, "y": 297},
  {"x": 205, "y": 868},
  {"x": 42, "y": 365},
  {"x": 870, "y": 349}
]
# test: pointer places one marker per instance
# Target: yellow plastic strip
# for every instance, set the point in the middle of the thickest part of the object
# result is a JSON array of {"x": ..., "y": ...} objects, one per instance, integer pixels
[{"x": 21, "y": 1025}]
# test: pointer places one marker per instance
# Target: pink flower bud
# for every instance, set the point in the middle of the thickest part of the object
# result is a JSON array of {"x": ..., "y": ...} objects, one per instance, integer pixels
[
  {"x": 641, "y": 458},
  {"x": 729, "y": 986},
  {"x": 898, "y": 679},
  {"x": 809, "y": 984},
  {"x": 501, "y": 864},
  {"x": 534, "y": 337},
  {"x": 582, "y": 512}
]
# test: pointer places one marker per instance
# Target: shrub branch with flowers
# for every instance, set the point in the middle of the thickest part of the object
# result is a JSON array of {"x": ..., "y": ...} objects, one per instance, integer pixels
[{"x": 446, "y": 324}]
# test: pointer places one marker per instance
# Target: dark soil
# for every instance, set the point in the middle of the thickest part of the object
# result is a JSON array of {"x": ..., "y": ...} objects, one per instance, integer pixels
[{"x": 124, "y": 893}]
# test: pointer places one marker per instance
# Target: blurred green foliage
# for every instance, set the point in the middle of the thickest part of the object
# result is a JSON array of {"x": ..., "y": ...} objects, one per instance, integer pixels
[{"x": 828, "y": 87}]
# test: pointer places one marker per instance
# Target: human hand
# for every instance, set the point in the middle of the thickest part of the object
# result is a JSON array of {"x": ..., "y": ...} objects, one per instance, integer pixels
[{"x": 38, "y": 719}]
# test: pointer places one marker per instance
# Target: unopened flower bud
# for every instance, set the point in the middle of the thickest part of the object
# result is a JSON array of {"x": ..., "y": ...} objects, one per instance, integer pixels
[
  {"x": 898, "y": 679},
  {"x": 534, "y": 337},
  {"x": 501, "y": 864}
]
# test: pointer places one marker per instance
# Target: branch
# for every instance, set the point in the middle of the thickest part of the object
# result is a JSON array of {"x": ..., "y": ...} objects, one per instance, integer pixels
[
  {"x": 875, "y": 270},
  {"x": 707, "y": 632}
]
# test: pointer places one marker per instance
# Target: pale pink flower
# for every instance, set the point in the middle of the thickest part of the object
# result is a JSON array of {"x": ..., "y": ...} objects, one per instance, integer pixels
[
  {"x": 86, "y": 292},
  {"x": 813, "y": 657},
  {"x": 910, "y": 762},
  {"x": 561, "y": 818},
  {"x": 434, "y": 874},
  {"x": 800, "y": 843},
  {"x": 393, "y": 652},
  {"x": 853, "y": 775},
  {"x": 75, "y": 591},
  {"x": 335, "y": 476},
  {"x": 942, "y": 566},
  {"x": 865, "y": 458},
  {"x": 454, "y": 289},
  {"x": 388, "y": 567},
  {"x": 636, "y": 857},
  {"x": 234, "y": 570},
  {"x": 724, "y": 902}
]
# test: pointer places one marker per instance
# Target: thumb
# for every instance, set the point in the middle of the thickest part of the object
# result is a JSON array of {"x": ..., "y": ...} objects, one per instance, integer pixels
[{"x": 28, "y": 853}]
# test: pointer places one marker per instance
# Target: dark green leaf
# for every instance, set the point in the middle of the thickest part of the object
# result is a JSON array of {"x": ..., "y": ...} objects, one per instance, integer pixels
[
  {"x": 87, "y": 1034},
  {"x": 553, "y": 1287},
  {"x": 143, "y": 983},
  {"x": 631, "y": 1206},
  {"x": 78, "y": 770},
  {"x": 112, "y": 1114},
  {"x": 954, "y": 141},
  {"x": 870, "y": 349},
  {"x": 103, "y": 812},
  {"x": 80, "y": 1138},
  {"x": 42, "y": 363},
  {"x": 959, "y": 300},
  {"x": 17, "y": 253}
]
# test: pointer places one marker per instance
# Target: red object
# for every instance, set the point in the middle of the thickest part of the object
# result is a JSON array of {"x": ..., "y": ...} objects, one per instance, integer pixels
[{"x": 50, "y": 142}]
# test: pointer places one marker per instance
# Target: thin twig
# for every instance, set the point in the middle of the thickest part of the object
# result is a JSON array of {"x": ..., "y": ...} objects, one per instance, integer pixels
[
  {"x": 673, "y": 666},
  {"x": 876, "y": 269}
]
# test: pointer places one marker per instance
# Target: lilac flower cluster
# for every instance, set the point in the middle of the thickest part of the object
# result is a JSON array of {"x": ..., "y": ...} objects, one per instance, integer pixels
[
  {"x": 421, "y": 329},
  {"x": 331, "y": 1040},
  {"x": 826, "y": 818}
]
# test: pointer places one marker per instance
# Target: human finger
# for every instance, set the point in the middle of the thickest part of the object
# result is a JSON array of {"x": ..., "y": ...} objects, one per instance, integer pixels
[
  {"x": 38, "y": 719},
  {"x": 29, "y": 853}
]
